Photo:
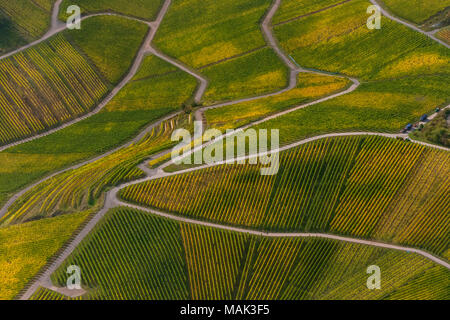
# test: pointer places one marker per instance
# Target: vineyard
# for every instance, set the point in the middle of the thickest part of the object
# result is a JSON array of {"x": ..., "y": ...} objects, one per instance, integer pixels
[
  {"x": 231, "y": 54},
  {"x": 45, "y": 86},
  {"x": 416, "y": 11},
  {"x": 444, "y": 34},
  {"x": 26, "y": 248},
  {"x": 367, "y": 187},
  {"x": 309, "y": 87},
  {"x": 47, "y": 294},
  {"x": 292, "y": 9},
  {"x": 368, "y": 54},
  {"x": 31, "y": 18},
  {"x": 249, "y": 75},
  {"x": 379, "y": 106},
  {"x": 110, "y": 42},
  {"x": 228, "y": 29},
  {"x": 134, "y": 255},
  {"x": 400, "y": 83},
  {"x": 86, "y": 123},
  {"x": 145, "y": 9},
  {"x": 136, "y": 105},
  {"x": 80, "y": 188}
]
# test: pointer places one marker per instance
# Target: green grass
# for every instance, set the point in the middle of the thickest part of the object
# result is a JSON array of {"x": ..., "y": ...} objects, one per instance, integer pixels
[
  {"x": 436, "y": 131},
  {"x": 145, "y": 9},
  {"x": 363, "y": 187},
  {"x": 30, "y": 19},
  {"x": 200, "y": 32},
  {"x": 134, "y": 255},
  {"x": 349, "y": 47},
  {"x": 110, "y": 42},
  {"x": 293, "y": 8},
  {"x": 133, "y": 108},
  {"x": 251, "y": 75},
  {"x": 26, "y": 248},
  {"x": 310, "y": 87},
  {"x": 417, "y": 11}
]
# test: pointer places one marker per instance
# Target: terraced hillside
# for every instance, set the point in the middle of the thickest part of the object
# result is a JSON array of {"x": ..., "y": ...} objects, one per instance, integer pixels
[
  {"x": 53, "y": 83},
  {"x": 416, "y": 11},
  {"x": 30, "y": 19},
  {"x": 129, "y": 112},
  {"x": 399, "y": 83},
  {"x": 79, "y": 189},
  {"x": 310, "y": 87},
  {"x": 25, "y": 249},
  {"x": 42, "y": 88},
  {"x": 366, "y": 187},
  {"x": 134, "y": 255},
  {"x": 86, "y": 128},
  {"x": 232, "y": 52}
]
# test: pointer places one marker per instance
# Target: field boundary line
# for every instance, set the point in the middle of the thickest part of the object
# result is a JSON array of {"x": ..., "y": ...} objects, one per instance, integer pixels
[
  {"x": 287, "y": 234},
  {"x": 410, "y": 25},
  {"x": 111, "y": 200},
  {"x": 200, "y": 90}
]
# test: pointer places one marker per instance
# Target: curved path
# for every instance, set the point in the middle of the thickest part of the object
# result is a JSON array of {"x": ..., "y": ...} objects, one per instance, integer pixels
[
  {"x": 289, "y": 235},
  {"x": 295, "y": 70},
  {"x": 135, "y": 66},
  {"x": 111, "y": 196},
  {"x": 408, "y": 24},
  {"x": 112, "y": 201},
  {"x": 162, "y": 173},
  {"x": 58, "y": 26},
  {"x": 202, "y": 80},
  {"x": 147, "y": 48}
]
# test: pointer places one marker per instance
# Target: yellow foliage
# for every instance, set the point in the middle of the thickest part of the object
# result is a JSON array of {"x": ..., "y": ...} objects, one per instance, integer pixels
[
  {"x": 214, "y": 53},
  {"x": 416, "y": 61},
  {"x": 26, "y": 248}
]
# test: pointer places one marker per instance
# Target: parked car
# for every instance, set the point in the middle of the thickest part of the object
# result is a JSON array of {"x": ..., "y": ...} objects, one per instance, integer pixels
[
  {"x": 408, "y": 127},
  {"x": 424, "y": 118}
]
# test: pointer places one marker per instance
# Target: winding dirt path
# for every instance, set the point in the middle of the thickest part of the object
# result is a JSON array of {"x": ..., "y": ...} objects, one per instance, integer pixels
[
  {"x": 408, "y": 24},
  {"x": 112, "y": 201},
  {"x": 289, "y": 235},
  {"x": 202, "y": 80},
  {"x": 131, "y": 73}
]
